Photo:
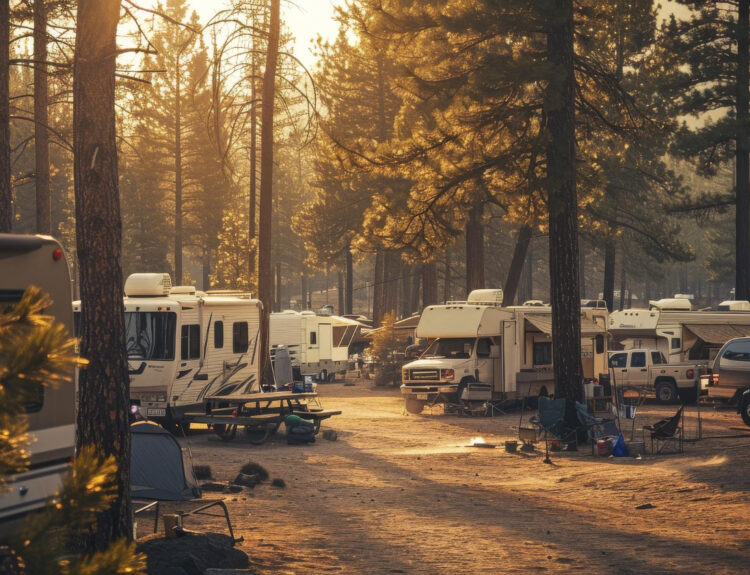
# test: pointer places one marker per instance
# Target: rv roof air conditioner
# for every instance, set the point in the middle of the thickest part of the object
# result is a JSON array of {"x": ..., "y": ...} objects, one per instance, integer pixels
[
  {"x": 734, "y": 305},
  {"x": 670, "y": 304},
  {"x": 491, "y": 296},
  {"x": 148, "y": 285}
]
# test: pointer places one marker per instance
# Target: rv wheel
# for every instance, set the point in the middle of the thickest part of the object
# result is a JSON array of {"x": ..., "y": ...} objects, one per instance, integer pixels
[
  {"x": 225, "y": 432},
  {"x": 745, "y": 411},
  {"x": 414, "y": 406}
]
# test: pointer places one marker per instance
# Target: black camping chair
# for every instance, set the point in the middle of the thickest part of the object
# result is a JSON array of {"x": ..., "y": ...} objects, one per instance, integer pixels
[
  {"x": 550, "y": 420},
  {"x": 596, "y": 427},
  {"x": 666, "y": 431}
]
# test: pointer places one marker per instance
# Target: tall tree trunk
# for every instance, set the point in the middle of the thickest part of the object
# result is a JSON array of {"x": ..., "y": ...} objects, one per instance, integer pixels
[
  {"x": 391, "y": 274},
  {"x": 178, "y": 178},
  {"x": 265, "y": 280},
  {"x": 563, "y": 205},
  {"x": 206, "y": 269},
  {"x": 516, "y": 265},
  {"x": 41, "y": 137},
  {"x": 429, "y": 284},
  {"x": 582, "y": 270},
  {"x": 6, "y": 193},
  {"x": 103, "y": 388},
  {"x": 417, "y": 276},
  {"x": 742, "y": 279},
  {"x": 303, "y": 291},
  {"x": 348, "y": 300},
  {"x": 405, "y": 283},
  {"x": 278, "y": 291},
  {"x": 610, "y": 257},
  {"x": 253, "y": 176},
  {"x": 447, "y": 276},
  {"x": 474, "y": 249},
  {"x": 378, "y": 288},
  {"x": 623, "y": 280},
  {"x": 340, "y": 293}
]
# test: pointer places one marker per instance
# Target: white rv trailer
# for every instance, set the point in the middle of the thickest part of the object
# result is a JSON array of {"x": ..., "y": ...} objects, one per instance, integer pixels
[
  {"x": 682, "y": 335},
  {"x": 39, "y": 261},
  {"x": 481, "y": 351},
  {"x": 318, "y": 345},
  {"x": 184, "y": 345}
]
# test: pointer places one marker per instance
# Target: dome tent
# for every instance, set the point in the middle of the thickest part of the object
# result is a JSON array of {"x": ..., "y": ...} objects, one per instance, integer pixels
[{"x": 157, "y": 467}]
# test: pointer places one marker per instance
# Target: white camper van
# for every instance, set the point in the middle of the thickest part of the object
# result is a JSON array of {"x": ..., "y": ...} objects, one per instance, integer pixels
[
  {"x": 184, "y": 345},
  {"x": 681, "y": 334},
  {"x": 318, "y": 345},
  {"x": 480, "y": 351},
  {"x": 39, "y": 261}
]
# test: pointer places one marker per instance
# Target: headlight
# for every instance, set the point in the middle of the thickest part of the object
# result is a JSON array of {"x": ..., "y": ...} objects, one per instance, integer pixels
[{"x": 447, "y": 374}]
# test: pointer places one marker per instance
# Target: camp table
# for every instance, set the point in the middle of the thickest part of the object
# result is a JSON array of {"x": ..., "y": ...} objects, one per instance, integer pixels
[{"x": 263, "y": 412}]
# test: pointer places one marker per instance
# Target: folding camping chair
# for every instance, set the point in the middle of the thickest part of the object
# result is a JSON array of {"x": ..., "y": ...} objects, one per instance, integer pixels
[
  {"x": 596, "y": 427},
  {"x": 666, "y": 431},
  {"x": 551, "y": 421}
]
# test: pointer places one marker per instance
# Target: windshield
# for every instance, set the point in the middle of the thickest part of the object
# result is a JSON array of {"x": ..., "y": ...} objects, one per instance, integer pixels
[
  {"x": 150, "y": 335},
  {"x": 459, "y": 347}
]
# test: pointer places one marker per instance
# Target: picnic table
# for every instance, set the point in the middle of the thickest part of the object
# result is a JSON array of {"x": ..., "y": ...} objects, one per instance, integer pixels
[{"x": 261, "y": 412}]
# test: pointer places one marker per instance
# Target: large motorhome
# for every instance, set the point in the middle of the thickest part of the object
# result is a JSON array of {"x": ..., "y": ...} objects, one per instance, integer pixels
[
  {"x": 481, "y": 351},
  {"x": 681, "y": 334},
  {"x": 184, "y": 345},
  {"x": 318, "y": 345},
  {"x": 39, "y": 261}
]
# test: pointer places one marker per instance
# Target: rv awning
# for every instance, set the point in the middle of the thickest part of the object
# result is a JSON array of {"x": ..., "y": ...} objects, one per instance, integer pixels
[
  {"x": 718, "y": 334},
  {"x": 544, "y": 324}
]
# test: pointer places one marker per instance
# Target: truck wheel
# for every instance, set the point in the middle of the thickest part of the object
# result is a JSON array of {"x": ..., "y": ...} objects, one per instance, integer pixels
[
  {"x": 745, "y": 410},
  {"x": 414, "y": 406},
  {"x": 666, "y": 392}
]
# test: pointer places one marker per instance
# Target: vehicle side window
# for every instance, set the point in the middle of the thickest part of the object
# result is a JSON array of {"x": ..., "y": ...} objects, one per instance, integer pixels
[
  {"x": 218, "y": 334},
  {"x": 737, "y": 351},
  {"x": 638, "y": 359},
  {"x": 657, "y": 358},
  {"x": 618, "y": 360},
  {"x": 483, "y": 347},
  {"x": 239, "y": 337},
  {"x": 313, "y": 337},
  {"x": 676, "y": 343},
  {"x": 542, "y": 353},
  {"x": 190, "y": 347}
]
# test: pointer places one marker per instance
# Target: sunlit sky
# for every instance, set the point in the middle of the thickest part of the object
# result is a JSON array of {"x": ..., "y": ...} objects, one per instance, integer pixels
[{"x": 305, "y": 19}]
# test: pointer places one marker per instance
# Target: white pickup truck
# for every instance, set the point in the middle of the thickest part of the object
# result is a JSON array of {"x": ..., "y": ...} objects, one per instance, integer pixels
[{"x": 649, "y": 369}]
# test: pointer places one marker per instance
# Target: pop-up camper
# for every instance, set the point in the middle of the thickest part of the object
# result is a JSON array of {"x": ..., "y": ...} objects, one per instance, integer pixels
[
  {"x": 184, "y": 345},
  {"x": 40, "y": 261}
]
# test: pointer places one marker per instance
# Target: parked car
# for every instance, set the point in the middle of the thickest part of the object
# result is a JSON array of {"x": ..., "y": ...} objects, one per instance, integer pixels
[
  {"x": 730, "y": 376},
  {"x": 648, "y": 368}
]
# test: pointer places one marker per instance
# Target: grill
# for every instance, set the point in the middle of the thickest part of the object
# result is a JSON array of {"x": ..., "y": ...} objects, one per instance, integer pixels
[{"x": 424, "y": 375}]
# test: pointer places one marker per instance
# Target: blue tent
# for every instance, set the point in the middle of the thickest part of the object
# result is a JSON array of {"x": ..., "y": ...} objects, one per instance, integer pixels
[{"x": 157, "y": 466}]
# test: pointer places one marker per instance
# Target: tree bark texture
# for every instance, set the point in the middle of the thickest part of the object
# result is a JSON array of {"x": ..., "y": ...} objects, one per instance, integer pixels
[
  {"x": 742, "y": 224},
  {"x": 277, "y": 304},
  {"x": 103, "y": 402},
  {"x": 253, "y": 176},
  {"x": 516, "y": 265},
  {"x": 348, "y": 300},
  {"x": 178, "y": 178},
  {"x": 610, "y": 256},
  {"x": 582, "y": 269},
  {"x": 392, "y": 274},
  {"x": 416, "y": 282},
  {"x": 41, "y": 137},
  {"x": 563, "y": 205},
  {"x": 429, "y": 284},
  {"x": 265, "y": 280},
  {"x": 623, "y": 280},
  {"x": 474, "y": 249},
  {"x": 378, "y": 288},
  {"x": 6, "y": 193},
  {"x": 340, "y": 293},
  {"x": 447, "y": 276}
]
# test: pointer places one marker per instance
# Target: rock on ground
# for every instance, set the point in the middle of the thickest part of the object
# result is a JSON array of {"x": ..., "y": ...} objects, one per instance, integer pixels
[{"x": 191, "y": 554}]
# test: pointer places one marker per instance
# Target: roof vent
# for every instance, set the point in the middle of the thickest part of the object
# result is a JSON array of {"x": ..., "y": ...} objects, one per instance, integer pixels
[
  {"x": 182, "y": 290},
  {"x": 734, "y": 305},
  {"x": 486, "y": 296},
  {"x": 147, "y": 285},
  {"x": 670, "y": 304}
]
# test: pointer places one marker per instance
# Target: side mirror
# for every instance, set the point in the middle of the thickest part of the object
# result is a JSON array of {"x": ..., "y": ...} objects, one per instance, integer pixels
[{"x": 494, "y": 352}]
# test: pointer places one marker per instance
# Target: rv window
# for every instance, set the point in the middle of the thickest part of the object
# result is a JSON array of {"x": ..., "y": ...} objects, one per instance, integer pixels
[
  {"x": 191, "y": 341},
  {"x": 150, "y": 336},
  {"x": 619, "y": 360},
  {"x": 599, "y": 344},
  {"x": 638, "y": 359},
  {"x": 483, "y": 347},
  {"x": 542, "y": 353},
  {"x": 459, "y": 348},
  {"x": 737, "y": 351},
  {"x": 676, "y": 343},
  {"x": 657, "y": 358},
  {"x": 313, "y": 338},
  {"x": 239, "y": 337},
  {"x": 218, "y": 334}
]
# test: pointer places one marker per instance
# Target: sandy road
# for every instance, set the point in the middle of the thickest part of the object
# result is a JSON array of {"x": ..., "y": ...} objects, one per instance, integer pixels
[{"x": 403, "y": 494}]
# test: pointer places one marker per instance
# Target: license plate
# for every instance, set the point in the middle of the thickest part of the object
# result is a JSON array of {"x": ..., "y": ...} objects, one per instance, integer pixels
[
  {"x": 156, "y": 412},
  {"x": 421, "y": 396}
]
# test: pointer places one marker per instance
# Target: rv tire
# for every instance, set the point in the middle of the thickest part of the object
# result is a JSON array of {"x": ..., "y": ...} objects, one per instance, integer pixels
[
  {"x": 666, "y": 392},
  {"x": 225, "y": 432},
  {"x": 745, "y": 409},
  {"x": 414, "y": 406}
]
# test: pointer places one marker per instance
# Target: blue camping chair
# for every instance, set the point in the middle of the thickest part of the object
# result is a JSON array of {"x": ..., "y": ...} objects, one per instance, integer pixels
[{"x": 550, "y": 420}]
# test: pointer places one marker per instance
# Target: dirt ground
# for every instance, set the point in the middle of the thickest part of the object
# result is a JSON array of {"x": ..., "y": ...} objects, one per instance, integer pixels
[{"x": 401, "y": 493}]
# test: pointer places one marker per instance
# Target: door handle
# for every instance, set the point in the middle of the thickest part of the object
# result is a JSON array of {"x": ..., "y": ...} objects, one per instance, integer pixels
[
  {"x": 644, "y": 369},
  {"x": 624, "y": 371}
]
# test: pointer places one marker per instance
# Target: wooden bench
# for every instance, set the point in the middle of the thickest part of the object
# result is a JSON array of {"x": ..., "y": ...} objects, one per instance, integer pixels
[{"x": 316, "y": 416}]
